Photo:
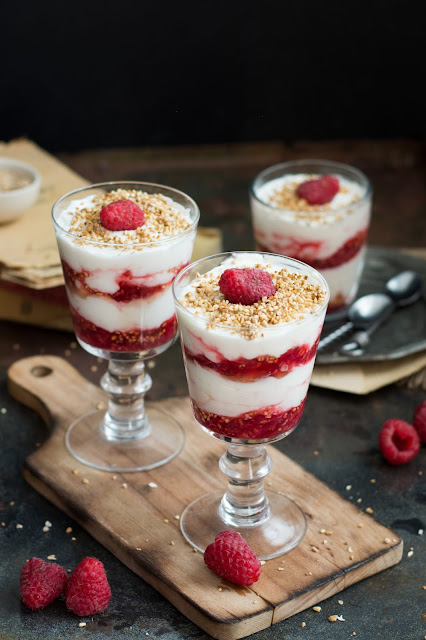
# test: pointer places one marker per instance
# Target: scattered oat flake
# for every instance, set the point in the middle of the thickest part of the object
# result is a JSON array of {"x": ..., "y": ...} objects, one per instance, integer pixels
[
  {"x": 172, "y": 543},
  {"x": 177, "y": 517},
  {"x": 93, "y": 368},
  {"x": 82, "y": 624},
  {"x": 3, "y": 410},
  {"x": 150, "y": 364},
  {"x": 340, "y": 601},
  {"x": 124, "y": 485},
  {"x": 76, "y": 472},
  {"x": 85, "y": 481},
  {"x": 373, "y": 480},
  {"x": 351, "y": 557},
  {"x": 316, "y": 453},
  {"x": 420, "y": 532},
  {"x": 219, "y": 589},
  {"x": 348, "y": 487},
  {"x": 46, "y": 529},
  {"x": 369, "y": 510},
  {"x": 359, "y": 500},
  {"x": 153, "y": 485},
  {"x": 138, "y": 548},
  {"x": 280, "y": 568},
  {"x": 73, "y": 345},
  {"x": 350, "y": 549},
  {"x": 314, "y": 549},
  {"x": 332, "y": 618},
  {"x": 67, "y": 353},
  {"x": 410, "y": 553},
  {"x": 19, "y": 526},
  {"x": 48, "y": 524},
  {"x": 360, "y": 525},
  {"x": 68, "y": 530},
  {"x": 100, "y": 405},
  {"x": 262, "y": 562},
  {"x": 3, "y": 524},
  {"x": 166, "y": 521},
  {"x": 51, "y": 557},
  {"x": 114, "y": 477},
  {"x": 303, "y": 624},
  {"x": 317, "y": 609},
  {"x": 387, "y": 540},
  {"x": 73, "y": 538}
]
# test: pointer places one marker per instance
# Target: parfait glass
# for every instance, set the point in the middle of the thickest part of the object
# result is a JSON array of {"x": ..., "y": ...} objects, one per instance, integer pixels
[
  {"x": 332, "y": 237},
  {"x": 248, "y": 393},
  {"x": 120, "y": 296}
]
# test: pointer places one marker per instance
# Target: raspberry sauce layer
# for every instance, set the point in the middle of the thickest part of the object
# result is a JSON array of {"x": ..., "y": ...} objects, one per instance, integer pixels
[
  {"x": 248, "y": 370},
  {"x": 304, "y": 251},
  {"x": 129, "y": 286},
  {"x": 133, "y": 340},
  {"x": 267, "y": 422}
]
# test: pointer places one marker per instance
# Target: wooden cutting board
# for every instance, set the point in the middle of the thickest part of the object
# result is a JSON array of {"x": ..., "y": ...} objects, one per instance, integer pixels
[{"x": 138, "y": 524}]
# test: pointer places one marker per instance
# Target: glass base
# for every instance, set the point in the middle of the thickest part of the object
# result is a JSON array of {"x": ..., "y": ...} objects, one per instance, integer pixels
[
  {"x": 281, "y": 532},
  {"x": 162, "y": 441}
]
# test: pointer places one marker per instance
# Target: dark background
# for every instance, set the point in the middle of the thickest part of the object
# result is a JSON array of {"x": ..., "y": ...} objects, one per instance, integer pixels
[{"x": 127, "y": 73}]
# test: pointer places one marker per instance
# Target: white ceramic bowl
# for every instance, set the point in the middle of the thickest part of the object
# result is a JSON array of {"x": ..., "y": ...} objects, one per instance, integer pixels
[{"x": 14, "y": 202}]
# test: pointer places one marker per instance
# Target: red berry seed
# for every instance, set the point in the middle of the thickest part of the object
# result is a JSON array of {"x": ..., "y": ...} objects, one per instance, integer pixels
[
  {"x": 41, "y": 582},
  {"x": 122, "y": 215},
  {"x": 88, "y": 591},
  {"x": 319, "y": 191},
  {"x": 398, "y": 441},
  {"x": 230, "y": 557},
  {"x": 419, "y": 421},
  {"x": 246, "y": 286}
]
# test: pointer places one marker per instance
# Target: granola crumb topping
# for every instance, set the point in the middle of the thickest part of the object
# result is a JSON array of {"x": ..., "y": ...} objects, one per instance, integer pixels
[
  {"x": 163, "y": 218},
  {"x": 294, "y": 299}
]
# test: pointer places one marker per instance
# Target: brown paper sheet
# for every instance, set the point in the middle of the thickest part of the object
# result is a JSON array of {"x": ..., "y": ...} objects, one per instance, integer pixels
[{"x": 29, "y": 242}]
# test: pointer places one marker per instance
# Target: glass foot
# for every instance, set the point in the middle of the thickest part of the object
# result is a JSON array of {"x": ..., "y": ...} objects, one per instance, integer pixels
[
  {"x": 278, "y": 534},
  {"x": 162, "y": 441}
]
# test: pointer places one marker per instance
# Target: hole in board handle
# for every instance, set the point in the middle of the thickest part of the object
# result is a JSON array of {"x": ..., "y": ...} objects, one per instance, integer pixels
[{"x": 41, "y": 372}]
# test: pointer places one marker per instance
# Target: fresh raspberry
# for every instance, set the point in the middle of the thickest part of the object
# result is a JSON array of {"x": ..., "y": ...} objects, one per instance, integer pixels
[
  {"x": 88, "y": 591},
  {"x": 419, "y": 421},
  {"x": 41, "y": 582},
  {"x": 319, "y": 191},
  {"x": 230, "y": 557},
  {"x": 246, "y": 286},
  {"x": 122, "y": 215},
  {"x": 398, "y": 441}
]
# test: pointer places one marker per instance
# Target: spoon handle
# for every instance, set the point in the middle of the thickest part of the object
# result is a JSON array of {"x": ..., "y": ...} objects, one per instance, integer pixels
[
  {"x": 361, "y": 339},
  {"x": 334, "y": 335}
]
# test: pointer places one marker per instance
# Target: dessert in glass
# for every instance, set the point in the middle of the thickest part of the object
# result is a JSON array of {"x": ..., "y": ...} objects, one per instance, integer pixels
[
  {"x": 249, "y": 325},
  {"x": 323, "y": 223},
  {"x": 121, "y": 244}
]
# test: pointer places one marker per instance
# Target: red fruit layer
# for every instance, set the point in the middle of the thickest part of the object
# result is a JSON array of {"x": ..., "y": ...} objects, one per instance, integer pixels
[
  {"x": 261, "y": 367},
  {"x": 267, "y": 422},
  {"x": 130, "y": 287},
  {"x": 133, "y": 340},
  {"x": 304, "y": 251}
]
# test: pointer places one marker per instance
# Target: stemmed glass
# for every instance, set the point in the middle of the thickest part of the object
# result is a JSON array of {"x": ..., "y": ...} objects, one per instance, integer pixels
[
  {"x": 247, "y": 392},
  {"x": 121, "y": 302}
]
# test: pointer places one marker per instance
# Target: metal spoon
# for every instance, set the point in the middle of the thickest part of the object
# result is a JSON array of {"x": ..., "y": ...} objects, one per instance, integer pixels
[
  {"x": 402, "y": 290},
  {"x": 369, "y": 311}
]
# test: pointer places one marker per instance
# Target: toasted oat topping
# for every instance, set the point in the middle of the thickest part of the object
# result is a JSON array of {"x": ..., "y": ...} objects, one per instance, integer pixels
[
  {"x": 11, "y": 180},
  {"x": 286, "y": 198},
  {"x": 163, "y": 218},
  {"x": 294, "y": 299}
]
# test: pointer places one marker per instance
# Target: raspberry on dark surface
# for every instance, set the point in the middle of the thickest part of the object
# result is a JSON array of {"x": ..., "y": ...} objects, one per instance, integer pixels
[
  {"x": 246, "y": 286},
  {"x": 398, "y": 441},
  {"x": 318, "y": 191},
  {"x": 122, "y": 215},
  {"x": 419, "y": 421},
  {"x": 41, "y": 582},
  {"x": 230, "y": 557},
  {"x": 88, "y": 591}
]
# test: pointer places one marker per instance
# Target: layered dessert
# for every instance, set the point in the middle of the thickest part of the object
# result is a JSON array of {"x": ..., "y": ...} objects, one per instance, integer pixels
[
  {"x": 249, "y": 327},
  {"x": 319, "y": 213},
  {"x": 120, "y": 250}
]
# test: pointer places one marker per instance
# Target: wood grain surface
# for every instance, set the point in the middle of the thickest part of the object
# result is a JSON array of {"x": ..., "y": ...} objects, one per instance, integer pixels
[{"x": 137, "y": 522}]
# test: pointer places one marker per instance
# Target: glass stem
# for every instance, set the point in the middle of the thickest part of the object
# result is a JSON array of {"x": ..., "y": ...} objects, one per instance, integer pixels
[
  {"x": 126, "y": 383},
  {"x": 245, "y": 503}
]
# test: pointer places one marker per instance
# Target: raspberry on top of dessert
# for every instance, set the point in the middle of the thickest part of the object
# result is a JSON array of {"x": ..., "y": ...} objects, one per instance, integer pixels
[
  {"x": 295, "y": 298},
  {"x": 161, "y": 218},
  {"x": 304, "y": 194}
]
